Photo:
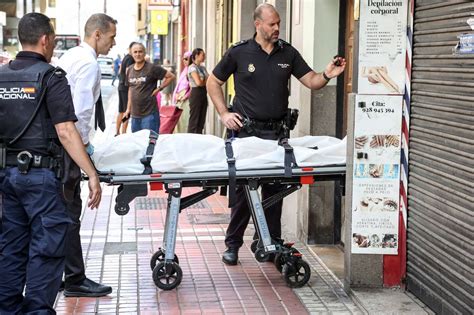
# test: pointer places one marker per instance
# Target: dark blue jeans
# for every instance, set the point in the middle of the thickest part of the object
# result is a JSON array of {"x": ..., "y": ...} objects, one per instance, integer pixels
[
  {"x": 151, "y": 122},
  {"x": 32, "y": 241}
]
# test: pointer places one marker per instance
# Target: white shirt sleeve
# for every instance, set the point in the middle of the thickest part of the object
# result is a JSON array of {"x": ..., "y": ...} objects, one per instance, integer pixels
[
  {"x": 83, "y": 75},
  {"x": 84, "y": 97}
]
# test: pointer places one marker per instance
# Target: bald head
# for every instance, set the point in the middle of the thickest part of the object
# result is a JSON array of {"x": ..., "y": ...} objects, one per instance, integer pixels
[
  {"x": 98, "y": 21},
  {"x": 257, "y": 14},
  {"x": 267, "y": 24}
]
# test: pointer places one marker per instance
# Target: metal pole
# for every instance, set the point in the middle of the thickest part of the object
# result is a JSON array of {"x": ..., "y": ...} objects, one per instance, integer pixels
[{"x": 79, "y": 17}]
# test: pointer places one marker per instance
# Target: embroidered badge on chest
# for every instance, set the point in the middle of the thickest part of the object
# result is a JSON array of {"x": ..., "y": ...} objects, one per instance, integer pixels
[
  {"x": 251, "y": 67},
  {"x": 283, "y": 65}
]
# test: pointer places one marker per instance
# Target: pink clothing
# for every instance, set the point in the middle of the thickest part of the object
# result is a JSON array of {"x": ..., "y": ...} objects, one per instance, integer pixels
[
  {"x": 158, "y": 101},
  {"x": 183, "y": 84}
]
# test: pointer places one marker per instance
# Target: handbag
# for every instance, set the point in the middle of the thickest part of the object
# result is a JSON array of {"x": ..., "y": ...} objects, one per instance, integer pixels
[
  {"x": 169, "y": 116},
  {"x": 180, "y": 95}
]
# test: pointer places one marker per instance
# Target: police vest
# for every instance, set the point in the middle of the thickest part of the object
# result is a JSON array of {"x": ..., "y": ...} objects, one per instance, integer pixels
[{"x": 20, "y": 91}]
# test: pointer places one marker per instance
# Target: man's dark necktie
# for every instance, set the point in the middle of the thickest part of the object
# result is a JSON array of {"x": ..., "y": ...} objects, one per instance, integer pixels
[{"x": 99, "y": 114}]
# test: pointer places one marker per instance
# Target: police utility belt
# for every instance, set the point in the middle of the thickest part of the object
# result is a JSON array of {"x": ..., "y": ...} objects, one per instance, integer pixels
[
  {"x": 263, "y": 125},
  {"x": 285, "y": 124},
  {"x": 26, "y": 160}
]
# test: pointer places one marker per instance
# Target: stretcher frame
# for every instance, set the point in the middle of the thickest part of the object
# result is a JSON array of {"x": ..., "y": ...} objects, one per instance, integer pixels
[{"x": 167, "y": 274}]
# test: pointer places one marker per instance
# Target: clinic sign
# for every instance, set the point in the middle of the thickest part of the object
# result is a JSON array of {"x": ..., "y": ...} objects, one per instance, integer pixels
[
  {"x": 382, "y": 46},
  {"x": 377, "y": 126}
]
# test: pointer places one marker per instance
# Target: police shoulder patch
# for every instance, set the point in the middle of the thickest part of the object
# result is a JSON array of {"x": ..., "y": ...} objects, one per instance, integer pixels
[
  {"x": 59, "y": 72},
  {"x": 281, "y": 42},
  {"x": 242, "y": 42}
]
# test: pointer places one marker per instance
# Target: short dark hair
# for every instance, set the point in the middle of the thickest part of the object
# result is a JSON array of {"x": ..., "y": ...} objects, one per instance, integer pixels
[
  {"x": 139, "y": 44},
  {"x": 131, "y": 44},
  {"x": 32, "y": 26},
  {"x": 98, "y": 21}
]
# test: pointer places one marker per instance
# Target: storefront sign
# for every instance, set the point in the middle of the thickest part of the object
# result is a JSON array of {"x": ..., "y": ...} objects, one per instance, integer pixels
[
  {"x": 376, "y": 178},
  {"x": 382, "y": 46},
  {"x": 160, "y": 5},
  {"x": 159, "y": 22}
]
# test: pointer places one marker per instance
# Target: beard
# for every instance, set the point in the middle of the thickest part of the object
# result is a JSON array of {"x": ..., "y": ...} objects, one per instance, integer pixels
[{"x": 269, "y": 36}]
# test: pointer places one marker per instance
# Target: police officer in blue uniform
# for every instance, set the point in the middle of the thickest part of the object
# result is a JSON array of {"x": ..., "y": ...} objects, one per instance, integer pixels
[
  {"x": 261, "y": 67},
  {"x": 36, "y": 126}
]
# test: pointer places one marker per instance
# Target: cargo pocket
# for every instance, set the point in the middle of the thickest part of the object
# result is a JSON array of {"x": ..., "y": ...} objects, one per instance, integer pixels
[{"x": 54, "y": 228}]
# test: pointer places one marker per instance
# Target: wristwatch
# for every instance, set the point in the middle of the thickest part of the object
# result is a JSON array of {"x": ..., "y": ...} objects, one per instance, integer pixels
[{"x": 326, "y": 77}]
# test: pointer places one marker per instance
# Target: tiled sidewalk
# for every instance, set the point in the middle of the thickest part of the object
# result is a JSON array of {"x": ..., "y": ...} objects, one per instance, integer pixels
[{"x": 117, "y": 251}]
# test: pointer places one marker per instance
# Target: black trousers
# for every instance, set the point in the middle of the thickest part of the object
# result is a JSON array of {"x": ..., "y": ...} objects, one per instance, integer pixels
[
  {"x": 197, "y": 109},
  {"x": 123, "y": 100},
  {"x": 74, "y": 271},
  {"x": 240, "y": 213}
]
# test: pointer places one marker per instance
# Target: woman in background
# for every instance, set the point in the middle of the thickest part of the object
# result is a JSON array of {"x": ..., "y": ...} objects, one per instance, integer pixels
[
  {"x": 181, "y": 95},
  {"x": 197, "y": 76}
]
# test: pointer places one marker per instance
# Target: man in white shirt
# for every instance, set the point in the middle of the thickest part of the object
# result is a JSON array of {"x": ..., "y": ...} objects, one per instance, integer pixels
[{"x": 83, "y": 75}]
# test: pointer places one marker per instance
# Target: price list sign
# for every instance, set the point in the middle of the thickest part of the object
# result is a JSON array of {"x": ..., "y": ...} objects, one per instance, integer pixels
[
  {"x": 376, "y": 177},
  {"x": 382, "y": 46}
]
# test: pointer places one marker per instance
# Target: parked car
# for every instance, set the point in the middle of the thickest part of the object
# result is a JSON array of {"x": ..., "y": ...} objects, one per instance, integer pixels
[
  {"x": 106, "y": 66},
  {"x": 56, "y": 55}
]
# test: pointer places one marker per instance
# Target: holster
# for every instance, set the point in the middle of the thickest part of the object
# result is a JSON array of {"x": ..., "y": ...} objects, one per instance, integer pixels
[
  {"x": 71, "y": 176},
  {"x": 290, "y": 121},
  {"x": 67, "y": 171},
  {"x": 292, "y": 118}
]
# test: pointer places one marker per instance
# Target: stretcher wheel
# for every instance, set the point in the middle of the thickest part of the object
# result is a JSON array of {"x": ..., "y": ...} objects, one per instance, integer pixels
[
  {"x": 281, "y": 258},
  {"x": 159, "y": 256},
  {"x": 122, "y": 210},
  {"x": 279, "y": 262},
  {"x": 167, "y": 276},
  {"x": 260, "y": 255},
  {"x": 253, "y": 246},
  {"x": 297, "y": 274}
]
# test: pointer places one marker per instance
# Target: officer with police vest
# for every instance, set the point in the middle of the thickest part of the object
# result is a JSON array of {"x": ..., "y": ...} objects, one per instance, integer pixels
[
  {"x": 261, "y": 67},
  {"x": 36, "y": 126}
]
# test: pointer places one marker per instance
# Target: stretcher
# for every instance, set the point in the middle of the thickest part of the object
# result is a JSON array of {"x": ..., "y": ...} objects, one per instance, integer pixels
[{"x": 167, "y": 273}]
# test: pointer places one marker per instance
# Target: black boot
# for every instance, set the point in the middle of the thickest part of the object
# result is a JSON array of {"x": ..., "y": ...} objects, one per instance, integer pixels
[
  {"x": 61, "y": 287},
  {"x": 87, "y": 288},
  {"x": 231, "y": 256}
]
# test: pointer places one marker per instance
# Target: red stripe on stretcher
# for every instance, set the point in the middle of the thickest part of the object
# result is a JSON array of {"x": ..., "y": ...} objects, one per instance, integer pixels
[
  {"x": 155, "y": 175},
  {"x": 156, "y": 186},
  {"x": 307, "y": 180}
]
